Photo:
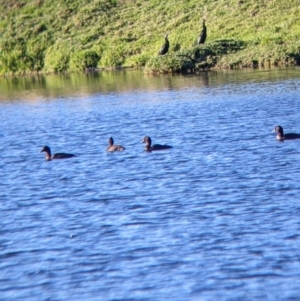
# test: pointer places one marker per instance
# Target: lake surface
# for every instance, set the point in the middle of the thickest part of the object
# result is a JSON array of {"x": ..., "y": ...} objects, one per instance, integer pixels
[{"x": 217, "y": 217}]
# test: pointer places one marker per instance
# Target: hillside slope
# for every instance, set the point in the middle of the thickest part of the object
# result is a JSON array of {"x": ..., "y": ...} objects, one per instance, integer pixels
[{"x": 55, "y": 35}]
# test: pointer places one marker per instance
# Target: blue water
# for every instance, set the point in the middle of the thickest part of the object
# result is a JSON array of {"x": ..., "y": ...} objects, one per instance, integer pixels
[{"x": 215, "y": 218}]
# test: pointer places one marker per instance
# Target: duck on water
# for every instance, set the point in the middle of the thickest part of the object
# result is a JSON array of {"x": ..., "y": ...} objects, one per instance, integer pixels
[
  {"x": 155, "y": 147},
  {"x": 281, "y": 136},
  {"x": 47, "y": 151},
  {"x": 114, "y": 147}
]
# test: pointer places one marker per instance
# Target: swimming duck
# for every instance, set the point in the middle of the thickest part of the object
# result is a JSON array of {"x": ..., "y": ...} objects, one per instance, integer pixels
[
  {"x": 154, "y": 147},
  {"x": 47, "y": 150},
  {"x": 113, "y": 147},
  {"x": 281, "y": 136}
]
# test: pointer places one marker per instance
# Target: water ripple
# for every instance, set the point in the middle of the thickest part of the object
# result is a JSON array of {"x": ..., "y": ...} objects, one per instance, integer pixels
[{"x": 214, "y": 218}]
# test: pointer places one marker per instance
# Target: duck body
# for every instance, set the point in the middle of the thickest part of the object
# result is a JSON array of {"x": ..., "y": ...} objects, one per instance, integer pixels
[
  {"x": 281, "y": 136},
  {"x": 113, "y": 147},
  {"x": 47, "y": 151},
  {"x": 154, "y": 147},
  {"x": 165, "y": 47},
  {"x": 202, "y": 35}
]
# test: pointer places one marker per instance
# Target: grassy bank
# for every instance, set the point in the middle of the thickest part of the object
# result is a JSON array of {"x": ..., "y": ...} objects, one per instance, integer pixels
[{"x": 70, "y": 35}]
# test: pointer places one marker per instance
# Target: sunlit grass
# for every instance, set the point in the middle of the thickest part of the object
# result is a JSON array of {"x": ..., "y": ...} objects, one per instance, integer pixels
[{"x": 54, "y": 36}]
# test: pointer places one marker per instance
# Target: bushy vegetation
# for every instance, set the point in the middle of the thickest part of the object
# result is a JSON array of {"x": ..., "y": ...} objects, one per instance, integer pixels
[{"x": 72, "y": 35}]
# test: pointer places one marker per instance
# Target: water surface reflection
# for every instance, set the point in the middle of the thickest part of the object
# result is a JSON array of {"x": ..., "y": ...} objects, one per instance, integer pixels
[{"x": 81, "y": 85}]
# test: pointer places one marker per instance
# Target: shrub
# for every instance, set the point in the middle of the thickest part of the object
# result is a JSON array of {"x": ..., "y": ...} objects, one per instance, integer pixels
[
  {"x": 164, "y": 64},
  {"x": 84, "y": 59},
  {"x": 57, "y": 59},
  {"x": 113, "y": 57},
  {"x": 139, "y": 60},
  {"x": 14, "y": 57}
]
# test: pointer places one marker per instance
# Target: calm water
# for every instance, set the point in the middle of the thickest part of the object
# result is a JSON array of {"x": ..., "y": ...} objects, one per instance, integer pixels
[{"x": 215, "y": 218}]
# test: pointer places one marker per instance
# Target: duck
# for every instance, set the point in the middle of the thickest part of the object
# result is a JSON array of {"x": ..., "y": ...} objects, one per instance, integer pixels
[
  {"x": 165, "y": 47},
  {"x": 202, "y": 35},
  {"x": 113, "y": 147},
  {"x": 281, "y": 136},
  {"x": 47, "y": 150},
  {"x": 154, "y": 147}
]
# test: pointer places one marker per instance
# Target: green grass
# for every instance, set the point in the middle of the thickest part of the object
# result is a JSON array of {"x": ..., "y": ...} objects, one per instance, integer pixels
[{"x": 71, "y": 35}]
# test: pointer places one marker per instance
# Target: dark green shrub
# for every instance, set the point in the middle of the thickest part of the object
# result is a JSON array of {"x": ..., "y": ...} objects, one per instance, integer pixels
[
  {"x": 84, "y": 59},
  {"x": 164, "y": 64},
  {"x": 14, "y": 57}
]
